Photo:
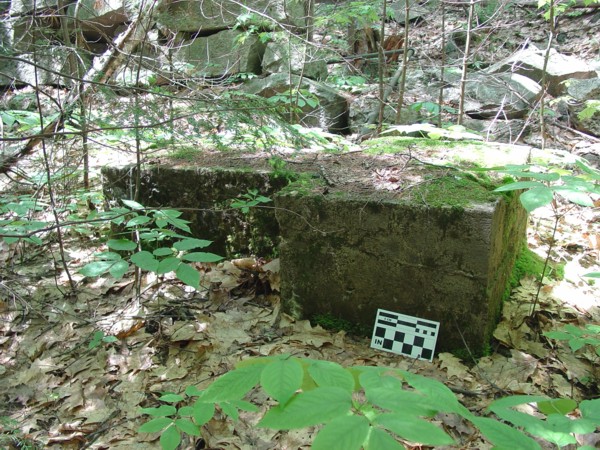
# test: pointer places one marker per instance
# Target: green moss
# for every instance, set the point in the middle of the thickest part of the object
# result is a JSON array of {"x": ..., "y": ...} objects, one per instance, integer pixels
[
  {"x": 332, "y": 323},
  {"x": 458, "y": 190},
  {"x": 396, "y": 144},
  {"x": 528, "y": 263}
]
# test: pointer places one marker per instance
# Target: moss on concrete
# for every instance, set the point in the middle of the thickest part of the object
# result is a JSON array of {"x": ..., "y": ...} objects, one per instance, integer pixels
[
  {"x": 457, "y": 190},
  {"x": 396, "y": 144}
]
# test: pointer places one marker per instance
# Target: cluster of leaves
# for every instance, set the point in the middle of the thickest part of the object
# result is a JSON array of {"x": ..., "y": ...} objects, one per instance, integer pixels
[
  {"x": 363, "y": 407},
  {"x": 577, "y": 338},
  {"x": 298, "y": 98},
  {"x": 543, "y": 184},
  {"x": 152, "y": 227},
  {"x": 249, "y": 200},
  {"x": 16, "y": 220},
  {"x": 359, "y": 13}
]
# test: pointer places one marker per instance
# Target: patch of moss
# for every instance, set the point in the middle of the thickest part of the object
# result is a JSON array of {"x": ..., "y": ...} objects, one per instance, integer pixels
[
  {"x": 332, "y": 323},
  {"x": 396, "y": 144},
  {"x": 528, "y": 263},
  {"x": 458, "y": 190}
]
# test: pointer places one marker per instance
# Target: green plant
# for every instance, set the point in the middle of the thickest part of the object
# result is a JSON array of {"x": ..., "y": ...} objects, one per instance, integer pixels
[
  {"x": 246, "y": 201},
  {"x": 12, "y": 436},
  {"x": 100, "y": 338},
  {"x": 295, "y": 97},
  {"x": 151, "y": 226},
  {"x": 362, "y": 407},
  {"x": 591, "y": 107},
  {"x": 544, "y": 183},
  {"x": 577, "y": 337}
]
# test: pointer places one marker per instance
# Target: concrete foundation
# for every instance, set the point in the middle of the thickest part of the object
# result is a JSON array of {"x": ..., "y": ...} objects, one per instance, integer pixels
[{"x": 356, "y": 233}]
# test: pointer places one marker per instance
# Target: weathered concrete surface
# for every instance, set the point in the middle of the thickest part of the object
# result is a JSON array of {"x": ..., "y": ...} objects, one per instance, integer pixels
[
  {"x": 359, "y": 231},
  {"x": 204, "y": 194},
  {"x": 352, "y": 256}
]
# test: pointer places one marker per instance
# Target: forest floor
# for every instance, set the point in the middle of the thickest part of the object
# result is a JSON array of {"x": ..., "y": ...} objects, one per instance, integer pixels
[{"x": 62, "y": 388}]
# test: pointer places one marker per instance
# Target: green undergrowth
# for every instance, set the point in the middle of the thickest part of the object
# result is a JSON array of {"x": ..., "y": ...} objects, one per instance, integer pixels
[
  {"x": 529, "y": 263},
  {"x": 459, "y": 189},
  {"x": 397, "y": 144},
  {"x": 335, "y": 324}
]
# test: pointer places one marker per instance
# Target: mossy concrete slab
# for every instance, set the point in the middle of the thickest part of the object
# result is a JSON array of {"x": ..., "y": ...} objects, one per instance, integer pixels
[
  {"x": 398, "y": 228},
  {"x": 350, "y": 256}
]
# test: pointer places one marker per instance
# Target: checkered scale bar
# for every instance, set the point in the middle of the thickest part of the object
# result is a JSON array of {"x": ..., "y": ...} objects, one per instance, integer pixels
[{"x": 405, "y": 335}]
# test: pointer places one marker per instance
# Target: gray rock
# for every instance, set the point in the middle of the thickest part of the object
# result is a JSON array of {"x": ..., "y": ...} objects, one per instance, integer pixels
[
  {"x": 303, "y": 61},
  {"x": 503, "y": 96},
  {"x": 214, "y": 15},
  {"x": 530, "y": 63},
  {"x": 581, "y": 92},
  {"x": 100, "y": 18},
  {"x": 221, "y": 54},
  {"x": 331, "y": 113}
]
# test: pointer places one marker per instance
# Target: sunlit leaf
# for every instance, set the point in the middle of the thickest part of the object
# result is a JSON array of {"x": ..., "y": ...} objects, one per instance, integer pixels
[
  {"x": 155, "y": 425},
  {"x": 188, "y": 275},
  {"x": 309, "y": 408},
  {"x": 202, "y": 257},
  {"x": 342, "y": 433},
  {"x": 282, "y": 378}
]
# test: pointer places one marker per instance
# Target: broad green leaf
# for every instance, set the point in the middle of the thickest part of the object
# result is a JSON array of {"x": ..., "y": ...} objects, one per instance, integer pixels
[
  {"x": 138, "y": 220},
  {"x": 161, "y": 411},
  {"x": 119, "y": 269},
  {"x": 201, "y": 257},
  {"x": 342, "y": 433},
  {"x": 282, "y": 378},
  {"x": 327, "y": 373},
  {"x": 145, "y": 261},
  {"x": 309, "y": 408},
  {"x": 590, "y": 409},
  {"x": 549, "y": 176},
  {"x": 233, "y": 385},
  {"x": 189, "y": 244},
  {"x": 171, "y": 398},
  {"x": 556, "y": 429},
  {"x": 155, "y": 425},
  {"x": 187, "y": 426},
  {"x": 170, "y": 438},
  {"x": 131, "y": 204},
  {"x": 519, "y": 185},
  {"x": 168, "y": 265},
  {"x": 414, "y": 429},
  {"x": 407, "y": 402},
  {"x": 96, "y": 268},
  {"x": 515, "y": 400},
  {"x": 170, "y": 213},
  {"x": 193, "y": 391},
  {"x": 107, "y": 256},
  {"x": 162, "y": 251},
  {"x": 379, "y": 379},
  {"x": 503, "y": 436},
  {"x": 442, "y": 397},
  {"x": 203, "y": 412},
  {"x": 379, "y": 439},
  {"x": 179, "y": 223},
  {"x": 536, "y": 198},
  {"x": 579, "y": 198},
  {"x": 244, "y": 405},
  {"x": 230, "y": 410},
  {"x": 558, "y": 335},
  {"x": 188, "y": 275}
]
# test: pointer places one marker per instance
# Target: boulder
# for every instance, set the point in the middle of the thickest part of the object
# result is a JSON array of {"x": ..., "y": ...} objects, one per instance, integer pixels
[
  {"x": 331, "y": 112},
  {"x": 582, "y": 91},
  {"x": 98, "y": 17},
  {"x": 304, "y": 60},
  {"x": 529, "y": 62},
  {"x": 214, "y": 15},
  {"x": 502, "y": 96},
  {"x": 221, "y": 54}
]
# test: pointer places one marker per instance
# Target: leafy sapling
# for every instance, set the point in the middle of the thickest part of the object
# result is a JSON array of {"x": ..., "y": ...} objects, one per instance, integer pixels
[
  {"x": 153, "y": 227},
  {"x": 366, "y": 407}
]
